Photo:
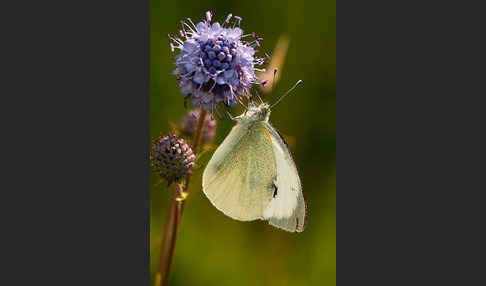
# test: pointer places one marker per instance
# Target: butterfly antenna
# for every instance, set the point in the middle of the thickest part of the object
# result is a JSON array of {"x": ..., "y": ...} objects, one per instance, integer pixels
[{"x": 283, "y": 96}]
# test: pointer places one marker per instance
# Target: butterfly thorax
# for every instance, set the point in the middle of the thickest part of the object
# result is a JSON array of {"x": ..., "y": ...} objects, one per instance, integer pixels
[{"x": 256, "y": 113}]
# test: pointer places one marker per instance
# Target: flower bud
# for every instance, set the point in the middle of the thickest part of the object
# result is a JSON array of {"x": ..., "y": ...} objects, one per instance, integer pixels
[
  {"x": 171, "y": 158},
  {"x": 190, "y": 121}
]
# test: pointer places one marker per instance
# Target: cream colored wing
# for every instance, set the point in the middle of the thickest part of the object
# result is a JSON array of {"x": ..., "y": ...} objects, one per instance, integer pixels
[
  {"x": 287, "y": 210},
  {"x": 238, "y": 179}
]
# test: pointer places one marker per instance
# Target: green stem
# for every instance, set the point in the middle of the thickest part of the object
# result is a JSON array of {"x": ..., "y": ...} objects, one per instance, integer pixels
[{"x": 175, "y": 213}]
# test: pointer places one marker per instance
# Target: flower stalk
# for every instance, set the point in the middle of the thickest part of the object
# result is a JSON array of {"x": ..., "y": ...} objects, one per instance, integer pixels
[{"x": 176, "y": 209}]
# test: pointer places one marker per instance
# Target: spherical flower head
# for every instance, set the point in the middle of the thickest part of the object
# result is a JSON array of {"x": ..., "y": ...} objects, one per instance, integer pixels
[
  {"x": 215, "y": 65},
  {"x": 190, "y": 121},
  {"x": 171, "y": 158}
]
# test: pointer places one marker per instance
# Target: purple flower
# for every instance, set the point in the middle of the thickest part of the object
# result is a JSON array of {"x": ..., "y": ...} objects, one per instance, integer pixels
[
  {"x": 215, "y": 65},
  {"x": 190, "y": 121},
  {"x": 171, "y": 158}
]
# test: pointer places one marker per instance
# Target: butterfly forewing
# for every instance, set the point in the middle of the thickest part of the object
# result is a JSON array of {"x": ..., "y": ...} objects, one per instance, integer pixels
[{"x": 238, "y": 179}]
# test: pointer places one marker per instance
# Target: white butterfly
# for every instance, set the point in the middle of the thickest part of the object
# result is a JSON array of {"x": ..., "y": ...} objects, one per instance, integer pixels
[{"x": 252, "y": 174}]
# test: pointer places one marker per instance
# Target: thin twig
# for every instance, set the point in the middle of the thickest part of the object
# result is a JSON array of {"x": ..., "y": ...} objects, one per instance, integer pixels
[
  {"x": 174, "y": 231},
  {"x": 165, "y": 239},
  {"x": 175, "y": 213}
]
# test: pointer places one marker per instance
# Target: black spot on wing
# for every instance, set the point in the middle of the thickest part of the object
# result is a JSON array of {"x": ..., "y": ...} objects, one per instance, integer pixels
[{"x": 275, "y": 189}]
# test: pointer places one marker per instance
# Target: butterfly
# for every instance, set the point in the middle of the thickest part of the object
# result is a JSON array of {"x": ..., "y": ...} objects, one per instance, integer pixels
[{"x": 252, "y": 175}]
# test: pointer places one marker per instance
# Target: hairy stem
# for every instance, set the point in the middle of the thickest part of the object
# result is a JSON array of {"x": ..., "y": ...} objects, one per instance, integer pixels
[{"x": 176, "y": 209}]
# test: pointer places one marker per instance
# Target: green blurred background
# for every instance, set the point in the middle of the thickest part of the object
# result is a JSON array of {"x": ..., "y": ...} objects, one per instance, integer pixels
[{"x": 213, "y": 249}]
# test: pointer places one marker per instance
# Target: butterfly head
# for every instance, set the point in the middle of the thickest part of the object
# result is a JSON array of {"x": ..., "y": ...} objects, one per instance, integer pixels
[
  {"x": 261, "y": 112},
  {"x": 257, "y": 112}
]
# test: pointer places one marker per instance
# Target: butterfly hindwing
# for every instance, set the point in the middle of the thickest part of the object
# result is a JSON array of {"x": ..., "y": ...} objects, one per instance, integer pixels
[
  {"x": 287, "y": 210},
  {"x": 238, "y": 179}
]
